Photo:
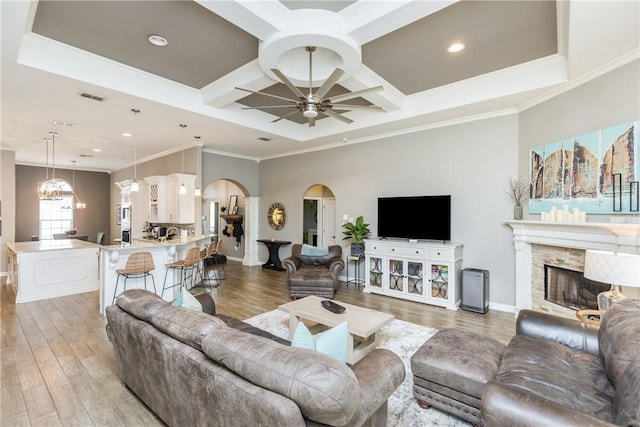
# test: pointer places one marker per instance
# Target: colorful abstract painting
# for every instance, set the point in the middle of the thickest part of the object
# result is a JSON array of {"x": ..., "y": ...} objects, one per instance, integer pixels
[{"x": 597, "y": 172}]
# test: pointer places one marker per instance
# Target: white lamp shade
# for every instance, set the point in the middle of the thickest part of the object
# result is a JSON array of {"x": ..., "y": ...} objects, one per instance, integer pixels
[{"x": 612, "y": 268}]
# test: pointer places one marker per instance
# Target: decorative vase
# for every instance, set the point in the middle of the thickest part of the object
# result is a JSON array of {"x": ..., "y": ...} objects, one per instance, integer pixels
[
  {"x": 357, "y": 249},
  {"x": 517, "y": 212}
]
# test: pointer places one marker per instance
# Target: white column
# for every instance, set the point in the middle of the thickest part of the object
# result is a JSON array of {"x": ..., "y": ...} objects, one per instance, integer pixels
[
  {"x": 251, "y": 229},
  {"x": 523, "y": 275}
]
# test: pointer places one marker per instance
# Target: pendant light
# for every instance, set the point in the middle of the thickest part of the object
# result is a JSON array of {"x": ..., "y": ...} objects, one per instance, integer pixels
[
  {"x": 79, "y": 204},
  {"x": 134, "y": 185},
  {"x": 197, "y": 191},
  {"x": 183, "y": 188},
  {"x": 51, "y": 188},
  {"x": 75, "y": 202}
]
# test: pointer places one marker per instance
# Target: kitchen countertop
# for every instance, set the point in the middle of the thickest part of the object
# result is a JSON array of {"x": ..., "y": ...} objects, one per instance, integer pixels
[
  {"x": 49, "y": 245},
  {"x": 143, "y": 242}
]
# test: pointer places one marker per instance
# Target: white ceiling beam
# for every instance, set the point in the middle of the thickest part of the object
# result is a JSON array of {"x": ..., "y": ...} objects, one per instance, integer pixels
[
  {"x": 371, "y": 19},
  {"x": 261, "y": 18},
  {"x": 222, "y": 92}
]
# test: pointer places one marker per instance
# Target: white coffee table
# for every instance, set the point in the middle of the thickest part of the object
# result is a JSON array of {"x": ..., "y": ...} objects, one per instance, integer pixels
[{"x": 362, "y": 322}]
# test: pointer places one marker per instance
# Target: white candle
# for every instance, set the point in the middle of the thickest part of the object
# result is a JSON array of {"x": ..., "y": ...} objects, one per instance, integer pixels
[{"x": 583, "y": 217}]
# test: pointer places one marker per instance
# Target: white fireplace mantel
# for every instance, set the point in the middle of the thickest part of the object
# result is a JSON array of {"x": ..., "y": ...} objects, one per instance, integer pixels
[{"x": 585, "y": 236}]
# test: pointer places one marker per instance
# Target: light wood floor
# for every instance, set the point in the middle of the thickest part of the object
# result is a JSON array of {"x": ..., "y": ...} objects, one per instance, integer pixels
[{"x": 57, "y": 364}]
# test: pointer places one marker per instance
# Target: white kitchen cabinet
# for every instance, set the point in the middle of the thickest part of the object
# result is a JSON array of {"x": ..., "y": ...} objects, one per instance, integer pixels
[
  {"x": 166, "y": 204},
  {"x": 422, "y": 271}
]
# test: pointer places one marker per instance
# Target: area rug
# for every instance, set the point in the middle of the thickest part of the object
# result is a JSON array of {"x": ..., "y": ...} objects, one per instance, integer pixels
[{"x": 403, "y": 338}]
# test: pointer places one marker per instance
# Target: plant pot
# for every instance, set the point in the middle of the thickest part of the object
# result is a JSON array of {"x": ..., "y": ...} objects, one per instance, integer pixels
[
  {"x": 357, "y": 249},
  {"x": 517, "y": 212}
]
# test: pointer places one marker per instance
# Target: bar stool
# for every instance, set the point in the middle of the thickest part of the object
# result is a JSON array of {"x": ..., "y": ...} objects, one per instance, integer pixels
[
  {"x": 205, "y": 260},
  {"x": 215, "y": 258},
  {"x": 139, "y": 265},
  {"x": 188, "y": 269}
]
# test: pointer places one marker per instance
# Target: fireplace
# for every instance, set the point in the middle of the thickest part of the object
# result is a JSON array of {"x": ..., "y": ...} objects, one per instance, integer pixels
[
  {"x": 570, "y": 289},
  {"x": 562, "y": 245}
]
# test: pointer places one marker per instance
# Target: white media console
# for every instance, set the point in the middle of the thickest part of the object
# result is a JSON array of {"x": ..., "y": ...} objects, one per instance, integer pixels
[{"x": 427, "y": 272}]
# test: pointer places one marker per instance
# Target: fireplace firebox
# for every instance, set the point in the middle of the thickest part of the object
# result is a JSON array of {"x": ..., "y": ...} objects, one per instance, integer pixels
[{"x": 571, "y": 289}]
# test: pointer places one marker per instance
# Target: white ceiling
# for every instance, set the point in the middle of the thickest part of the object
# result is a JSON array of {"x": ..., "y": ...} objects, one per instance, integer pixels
[{"x": 518, "y": 53}]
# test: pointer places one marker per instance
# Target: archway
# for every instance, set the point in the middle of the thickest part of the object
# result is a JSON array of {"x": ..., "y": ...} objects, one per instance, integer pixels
[
  {"x": 318, "y": 216},
  {"x": 224, "y": 210}
]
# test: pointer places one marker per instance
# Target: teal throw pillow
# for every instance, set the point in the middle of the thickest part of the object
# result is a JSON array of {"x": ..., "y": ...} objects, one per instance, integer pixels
[
  {"x": 185, "y": 299},
  {"x": 332, "y": 342}
]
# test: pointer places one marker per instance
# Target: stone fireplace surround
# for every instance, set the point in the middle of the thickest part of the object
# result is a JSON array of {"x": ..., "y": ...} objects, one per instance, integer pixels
[{"x": 562, "y": 245}]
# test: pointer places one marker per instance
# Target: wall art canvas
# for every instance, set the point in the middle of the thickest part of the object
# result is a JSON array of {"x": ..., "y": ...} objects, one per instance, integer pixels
[{"x": 597, "y": 172}]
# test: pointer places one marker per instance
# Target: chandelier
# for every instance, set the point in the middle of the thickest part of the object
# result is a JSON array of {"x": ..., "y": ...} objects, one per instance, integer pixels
[{"x": 51, "y": 188}]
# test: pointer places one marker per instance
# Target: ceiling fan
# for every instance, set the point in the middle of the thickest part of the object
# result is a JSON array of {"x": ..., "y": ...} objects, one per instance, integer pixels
[{"x": 313, "y": 104}]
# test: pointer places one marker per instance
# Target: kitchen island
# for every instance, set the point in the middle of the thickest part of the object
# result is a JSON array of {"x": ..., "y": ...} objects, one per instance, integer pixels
[
  {"x": 52, "y": 268},
  {"x": 113, "y": 257}
]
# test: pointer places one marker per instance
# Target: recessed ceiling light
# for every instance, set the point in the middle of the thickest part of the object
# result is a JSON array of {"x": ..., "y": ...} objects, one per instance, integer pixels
[
  {"x": 262, "y": 138},
  {"x": 455, "y": 47},
  {"x": 86, "y": 155},
  {"x": 63, "y": 123},
  {"x": 127, "y": 134},
  {"x": 157, "y": 40},
  {"x": 97, "y": 150}
]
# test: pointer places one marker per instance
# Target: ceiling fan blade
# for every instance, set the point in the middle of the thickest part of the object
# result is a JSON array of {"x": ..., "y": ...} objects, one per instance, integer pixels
[
  {"x": 312, "y": 122},
  {"x": 337, "y": 116},
  {"x": 348, "y": 96},
  {"x": 354, "y": 107},
  {"x": 329, "y": 83},
  {"x": 268, "y": 94},
  {"x": 288, "y": 82},
  {"x": 285, "y": 116},
  {"x": 268, "y": 106}
]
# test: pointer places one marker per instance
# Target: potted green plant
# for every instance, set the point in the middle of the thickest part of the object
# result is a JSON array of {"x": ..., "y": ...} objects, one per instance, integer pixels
[{"x": 358, "y": 231}]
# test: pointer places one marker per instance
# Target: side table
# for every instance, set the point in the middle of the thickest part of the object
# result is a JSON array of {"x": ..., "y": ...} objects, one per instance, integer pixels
[
  {"x": 273, "y": 263},
  {"x": 356, "y": 263},
  {"x": 591, "y": 317}
]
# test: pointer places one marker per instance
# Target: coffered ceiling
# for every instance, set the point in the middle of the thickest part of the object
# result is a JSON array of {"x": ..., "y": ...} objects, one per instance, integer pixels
[{"x": 516, "y": 53}]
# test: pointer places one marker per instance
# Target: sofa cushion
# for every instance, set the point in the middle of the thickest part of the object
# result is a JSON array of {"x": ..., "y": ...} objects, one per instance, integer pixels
[
  {"x": 187, "y": 300},
  {"x": 626, "y": 405},
  {"x": 619, "y": 338},
  {"x": 325, "y": 390},
  {"x": 185, "y": 325},
  {"x": 332, "y": 342},
  {"x": 140, "y": 303},
  {"x": 557, "y": 373}
]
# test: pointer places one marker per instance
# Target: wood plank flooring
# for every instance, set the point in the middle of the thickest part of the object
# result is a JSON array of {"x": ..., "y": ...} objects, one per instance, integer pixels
[{"x": 57, "y": 364}]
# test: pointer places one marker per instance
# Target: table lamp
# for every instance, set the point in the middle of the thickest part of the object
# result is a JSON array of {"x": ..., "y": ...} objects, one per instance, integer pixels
[{"x": 617, "y": 269}]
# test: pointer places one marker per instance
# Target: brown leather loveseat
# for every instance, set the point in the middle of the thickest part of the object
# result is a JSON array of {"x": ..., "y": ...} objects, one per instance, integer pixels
[{"x": 554, "y": 372}]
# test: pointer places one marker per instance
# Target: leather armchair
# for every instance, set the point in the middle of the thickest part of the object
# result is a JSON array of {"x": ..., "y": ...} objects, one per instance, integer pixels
[{"x": 313, "y": 274}]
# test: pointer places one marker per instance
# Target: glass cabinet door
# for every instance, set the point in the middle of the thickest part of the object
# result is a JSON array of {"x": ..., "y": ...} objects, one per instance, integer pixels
[
  {"x": 415, "y": 278},
  {"x": 375, "y": 272},
  {"x": 439, "y": 281},
  {"x": 396, "y": 275}
]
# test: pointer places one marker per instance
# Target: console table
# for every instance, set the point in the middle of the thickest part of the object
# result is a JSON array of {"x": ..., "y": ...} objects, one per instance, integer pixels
[
  {"x": 273, "y": 263},
  {"x": 427, "y": 272}
]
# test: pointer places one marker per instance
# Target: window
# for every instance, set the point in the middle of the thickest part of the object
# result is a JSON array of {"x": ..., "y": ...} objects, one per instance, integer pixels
[{"x": 54, "y": 218}]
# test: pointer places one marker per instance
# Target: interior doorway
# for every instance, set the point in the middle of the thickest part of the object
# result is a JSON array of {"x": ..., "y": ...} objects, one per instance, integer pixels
[{"x": 318, "y": 216}]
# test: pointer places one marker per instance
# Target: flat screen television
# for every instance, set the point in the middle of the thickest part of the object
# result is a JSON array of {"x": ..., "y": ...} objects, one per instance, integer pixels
[{"x": 419, "y": 217}]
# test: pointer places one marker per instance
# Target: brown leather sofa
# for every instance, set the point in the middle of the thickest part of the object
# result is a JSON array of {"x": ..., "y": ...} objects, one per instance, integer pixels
[
  {"x": 554, "y": 372},
  {"x": 198, "y": 369},
  {"x": 313, "y": 274},
  {"x": 560, "y": 372}
]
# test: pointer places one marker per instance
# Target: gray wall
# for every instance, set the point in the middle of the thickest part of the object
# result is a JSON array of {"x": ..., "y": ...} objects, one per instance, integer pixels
[
  {"x": 606, "y": 101},
  {"x": 91, "y": 188},
  {"x": 8, "y": 199},
  {"x": 473, "y": 162}
]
